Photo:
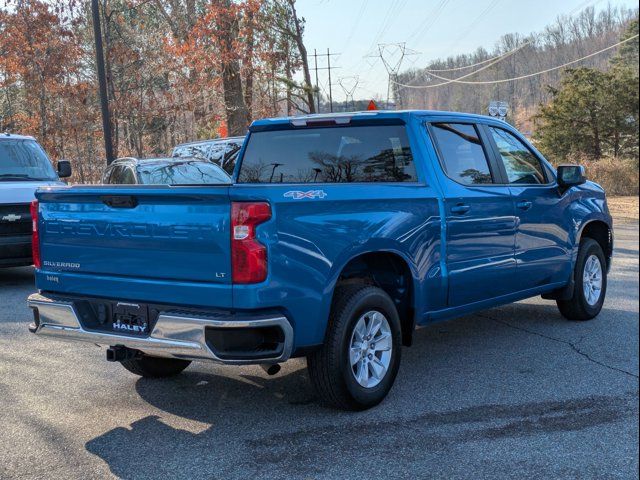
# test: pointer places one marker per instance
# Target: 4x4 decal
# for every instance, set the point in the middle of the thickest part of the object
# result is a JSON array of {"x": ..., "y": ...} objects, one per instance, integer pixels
[{"x": 297, "y": 194}]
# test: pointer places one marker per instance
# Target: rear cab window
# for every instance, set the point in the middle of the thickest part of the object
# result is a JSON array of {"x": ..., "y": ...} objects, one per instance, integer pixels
[{"x": 340, "y": 154}]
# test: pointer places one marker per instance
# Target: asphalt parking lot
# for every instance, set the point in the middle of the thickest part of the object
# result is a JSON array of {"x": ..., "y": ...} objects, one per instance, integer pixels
[{"x": 512, "y": 392}]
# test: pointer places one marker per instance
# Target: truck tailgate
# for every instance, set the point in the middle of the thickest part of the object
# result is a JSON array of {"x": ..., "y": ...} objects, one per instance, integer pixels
[{"x": 151, "y": 233}]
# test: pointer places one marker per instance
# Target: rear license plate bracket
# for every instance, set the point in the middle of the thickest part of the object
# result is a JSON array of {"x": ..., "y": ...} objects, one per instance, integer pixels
[{"x": 132, "y": 318}]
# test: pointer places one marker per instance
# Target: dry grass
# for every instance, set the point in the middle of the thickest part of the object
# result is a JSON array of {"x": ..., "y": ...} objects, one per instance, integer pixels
[
  {"x": 623, "y": 209},
  {"x": 619, "y": 177}
]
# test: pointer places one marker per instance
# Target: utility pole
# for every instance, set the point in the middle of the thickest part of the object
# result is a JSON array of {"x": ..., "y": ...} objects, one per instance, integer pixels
[
  {"x": 102, "y": 81},
  {"x": 328, "y": 68},
  {"x": 315, "y": 62}
]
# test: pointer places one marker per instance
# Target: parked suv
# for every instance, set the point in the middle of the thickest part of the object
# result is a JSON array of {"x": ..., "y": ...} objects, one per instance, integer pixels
[
  {"x": 340, "y": 236},
  {"x": 221, "y": 151},
  {"x": 24, "y": 167}
]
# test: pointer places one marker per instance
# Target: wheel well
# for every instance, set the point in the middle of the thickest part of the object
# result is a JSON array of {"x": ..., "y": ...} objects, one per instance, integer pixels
[
  {"x": 391, "y": 273},
  {"x": 601, "y": 233}
]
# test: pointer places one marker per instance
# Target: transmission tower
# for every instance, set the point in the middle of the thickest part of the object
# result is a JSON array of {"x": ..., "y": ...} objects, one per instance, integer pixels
[
  {"x": 349, "y": 85},
  {"x": 392, "y": 55}
]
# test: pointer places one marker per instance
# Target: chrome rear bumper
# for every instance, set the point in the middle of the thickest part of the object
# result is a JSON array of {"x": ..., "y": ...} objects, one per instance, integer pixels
[{"x": 175, "y": 334}]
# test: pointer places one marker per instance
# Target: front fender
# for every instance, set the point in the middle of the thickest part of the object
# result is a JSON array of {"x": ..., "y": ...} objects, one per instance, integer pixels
[{"x": 588, "y": 205}]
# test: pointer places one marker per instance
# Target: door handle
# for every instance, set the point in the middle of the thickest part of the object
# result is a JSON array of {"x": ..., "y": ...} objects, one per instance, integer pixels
[
  {"x": 460, "y": 209},
  {"x": 524, "y": 205}
]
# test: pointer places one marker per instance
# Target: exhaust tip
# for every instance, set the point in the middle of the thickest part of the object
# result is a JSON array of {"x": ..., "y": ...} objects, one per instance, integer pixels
[{"x": 271, "y": 368}]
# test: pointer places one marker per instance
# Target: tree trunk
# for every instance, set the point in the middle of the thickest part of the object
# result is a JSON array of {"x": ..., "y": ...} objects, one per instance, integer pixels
[
  {"x": 303, "y": 58},
  {"x": 597, "y": 147},
  {"x": 43, "y": 111},
  {"x": 616, "y": 139},
  {"x": 235, "y": 108},
  {"x": 234, "y": 105},
  {"x": 248, "y": 66},
  {"x": 111, "y": 89},
  {"x": 287, "y": 68}
]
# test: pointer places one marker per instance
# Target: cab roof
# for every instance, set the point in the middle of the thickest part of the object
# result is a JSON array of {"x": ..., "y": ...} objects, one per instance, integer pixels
[
  {"x": 346, "y": 117},
  {"x": 14, "y": 136},
  {"x": 133, "y": 161},
  {"x": 212, "y": 140}
]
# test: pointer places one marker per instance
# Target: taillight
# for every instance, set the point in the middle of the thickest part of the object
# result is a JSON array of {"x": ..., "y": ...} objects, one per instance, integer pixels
[
  {"x": 35, "y": 237},
  {"x": 248, "y": 256}
]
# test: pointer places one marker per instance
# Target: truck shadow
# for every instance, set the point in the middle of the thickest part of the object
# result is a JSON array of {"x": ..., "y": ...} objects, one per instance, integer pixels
[
  {"x": 16, "y": 277},
  {"x": 214, "y": 422}
]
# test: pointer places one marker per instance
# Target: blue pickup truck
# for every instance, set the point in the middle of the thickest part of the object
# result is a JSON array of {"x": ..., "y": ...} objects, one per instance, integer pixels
[{"x": 338, "y": 237}]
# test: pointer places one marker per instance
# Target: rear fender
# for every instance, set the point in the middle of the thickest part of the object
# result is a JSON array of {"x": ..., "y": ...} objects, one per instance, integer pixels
[{"x": 372, "y": 246}]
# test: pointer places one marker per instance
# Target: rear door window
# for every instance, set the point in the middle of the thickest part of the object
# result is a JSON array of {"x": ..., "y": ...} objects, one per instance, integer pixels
[
  {"x": 461, "y": 152},
  {"x": 128, "y": 177},
  {"x": 375, "y": 153},
  {"x": 230, "y": 156},
  {"x": 522, "y": 166},
  {"x": 114, "y": 174},
  {"x": 122, "y": 175}
]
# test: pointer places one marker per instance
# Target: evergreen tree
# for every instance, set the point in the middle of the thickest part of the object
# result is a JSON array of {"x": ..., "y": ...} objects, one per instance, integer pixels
[{"x": 594, "y": 113}]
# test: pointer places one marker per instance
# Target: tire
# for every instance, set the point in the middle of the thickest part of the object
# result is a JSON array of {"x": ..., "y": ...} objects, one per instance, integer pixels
[
  {"x": 330, "y": 368},
  {"x": 155, "y": 367},
  {"x": 580, "y": 306}
]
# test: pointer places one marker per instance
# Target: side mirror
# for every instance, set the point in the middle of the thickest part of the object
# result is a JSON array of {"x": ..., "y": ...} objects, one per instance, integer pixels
[
  {"x": 64, "y": 168},
  {"x": 570, "y": 176}
]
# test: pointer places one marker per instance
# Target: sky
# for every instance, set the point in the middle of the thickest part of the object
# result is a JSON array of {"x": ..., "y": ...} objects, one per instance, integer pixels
[{"x": 430, "y": 28}]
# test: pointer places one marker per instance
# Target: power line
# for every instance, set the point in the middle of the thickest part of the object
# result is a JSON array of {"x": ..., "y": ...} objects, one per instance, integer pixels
[
  {"x": 395, "y": 6},
  {"x": 504, "y": 80},
  {"x": 432, "y": 16},
  {"x": 578, "y": 7},
  {"x": 355, "y": 25},
  {"x": 453, "y": 69},
  {"x": 483, "y": 14},
  {"x": 452, "y": 80}
]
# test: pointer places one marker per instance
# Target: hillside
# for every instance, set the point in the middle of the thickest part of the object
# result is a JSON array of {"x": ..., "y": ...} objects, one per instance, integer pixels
[{"x": 567, "y": 39}]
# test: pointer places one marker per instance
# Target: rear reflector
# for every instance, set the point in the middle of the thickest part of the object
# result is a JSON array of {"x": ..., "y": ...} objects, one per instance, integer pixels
[
  {"x": 35, "y": 237},
  {"x": 248, "y": 256}
]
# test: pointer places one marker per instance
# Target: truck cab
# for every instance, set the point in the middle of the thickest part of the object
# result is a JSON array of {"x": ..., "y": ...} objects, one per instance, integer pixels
[
  {"x": 340, "y": 235},
  {"x": 24, "y": 167}
]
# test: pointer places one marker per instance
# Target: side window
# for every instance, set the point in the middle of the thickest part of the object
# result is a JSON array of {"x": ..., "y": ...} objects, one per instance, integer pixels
[
  {"x": 230, "y": 156},
  {"x": 216, "y": 152},
  {"x": 463, "y": 156},
  {"x": 114, "y": 174},
  {"x": 122, "y": 175},
  {"x": 128, "y": 177},
  {"x": 522, "y": 166},
  {"x": 106, "y": 175}
]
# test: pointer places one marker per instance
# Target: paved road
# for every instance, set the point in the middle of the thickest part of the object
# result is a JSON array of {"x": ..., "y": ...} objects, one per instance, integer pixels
[{"x": 512, "y": 392}]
